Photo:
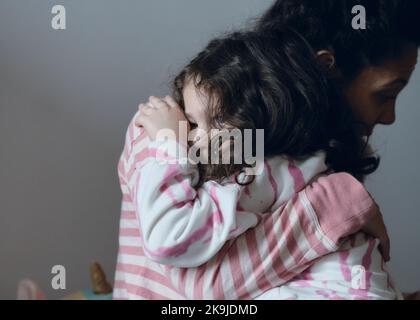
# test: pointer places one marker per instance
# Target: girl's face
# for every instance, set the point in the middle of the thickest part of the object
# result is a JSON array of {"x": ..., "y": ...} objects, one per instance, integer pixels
[
  {"x": 196, "y": 110},
  {"x": 373, "y": 93}
]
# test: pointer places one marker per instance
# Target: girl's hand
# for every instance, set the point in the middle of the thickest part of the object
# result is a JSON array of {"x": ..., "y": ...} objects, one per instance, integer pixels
[
  {"x": 377, "y": 229},
  {"x": 159, "y": 114}
]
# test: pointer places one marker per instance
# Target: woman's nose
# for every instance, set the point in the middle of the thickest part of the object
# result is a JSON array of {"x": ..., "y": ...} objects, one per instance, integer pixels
[{"x": 389, "y": 117}]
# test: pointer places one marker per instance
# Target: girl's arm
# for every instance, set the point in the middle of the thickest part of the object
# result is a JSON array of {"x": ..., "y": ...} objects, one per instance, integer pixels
[
  {"x": 284, "y": 244},
  {"x": 268, "y": 255},
  {"x": 182, "y": 226}
]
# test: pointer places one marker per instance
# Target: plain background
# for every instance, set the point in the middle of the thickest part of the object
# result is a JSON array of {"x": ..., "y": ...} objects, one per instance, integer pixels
[{"x": 66, "y": 98}]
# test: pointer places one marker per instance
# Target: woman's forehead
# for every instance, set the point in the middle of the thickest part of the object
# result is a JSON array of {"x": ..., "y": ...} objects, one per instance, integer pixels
[{"x": 392, "y": 72}]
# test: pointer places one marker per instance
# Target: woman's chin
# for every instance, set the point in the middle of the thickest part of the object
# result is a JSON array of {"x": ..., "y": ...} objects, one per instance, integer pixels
[{"x": 369, "y": 131}]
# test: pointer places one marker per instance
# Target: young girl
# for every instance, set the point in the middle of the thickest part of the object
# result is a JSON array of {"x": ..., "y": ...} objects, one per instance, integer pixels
[{"x": 182, "y": 214}]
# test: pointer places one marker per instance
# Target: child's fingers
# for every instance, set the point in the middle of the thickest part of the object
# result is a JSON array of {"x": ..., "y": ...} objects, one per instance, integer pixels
[
  {"x": 145, "y": 109},
  {"x": 139, "y": 121},
  {"x": 144, "y": 112},
  {"x": 171, "y": 101},
  {"x": 158, "y": 103}
]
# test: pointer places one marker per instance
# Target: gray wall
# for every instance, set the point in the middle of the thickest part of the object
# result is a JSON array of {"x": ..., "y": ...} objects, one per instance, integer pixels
[
  {"x": 395, "y": 186},
  {"x": 65, "y": 100}
]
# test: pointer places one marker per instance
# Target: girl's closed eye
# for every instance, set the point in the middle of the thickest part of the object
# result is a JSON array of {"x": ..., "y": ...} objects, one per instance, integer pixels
[{"x": 193, "y": 125}]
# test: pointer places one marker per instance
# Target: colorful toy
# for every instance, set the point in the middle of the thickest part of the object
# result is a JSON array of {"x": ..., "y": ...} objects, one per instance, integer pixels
[{"x": 101, "y": 289}]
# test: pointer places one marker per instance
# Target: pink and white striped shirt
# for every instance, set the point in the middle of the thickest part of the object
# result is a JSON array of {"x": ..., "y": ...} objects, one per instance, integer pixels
[
  {"x": 185, "y": 227},
  {"x": 232, "y": 251}
]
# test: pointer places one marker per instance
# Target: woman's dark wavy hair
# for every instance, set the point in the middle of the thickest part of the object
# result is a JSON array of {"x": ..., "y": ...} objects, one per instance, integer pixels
[
  {"x": 327, "y": 24},
  {"x": 272, "y": 81}
]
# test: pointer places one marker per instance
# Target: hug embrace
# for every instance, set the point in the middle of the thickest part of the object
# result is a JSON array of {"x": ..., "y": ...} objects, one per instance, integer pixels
[{"x": 300, "y": 228}]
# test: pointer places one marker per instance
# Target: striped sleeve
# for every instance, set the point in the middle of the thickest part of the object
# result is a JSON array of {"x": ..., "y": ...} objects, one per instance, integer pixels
[
  {"x": 285, "y": 243},
  {"x": 282, "y": 245},
  {"x": 181, "y": 225}
]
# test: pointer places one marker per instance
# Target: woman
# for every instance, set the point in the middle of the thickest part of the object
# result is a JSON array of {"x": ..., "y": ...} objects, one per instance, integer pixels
[
  {"x": 369, "y": 69},
  {"x": 181, "y": 215}
]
